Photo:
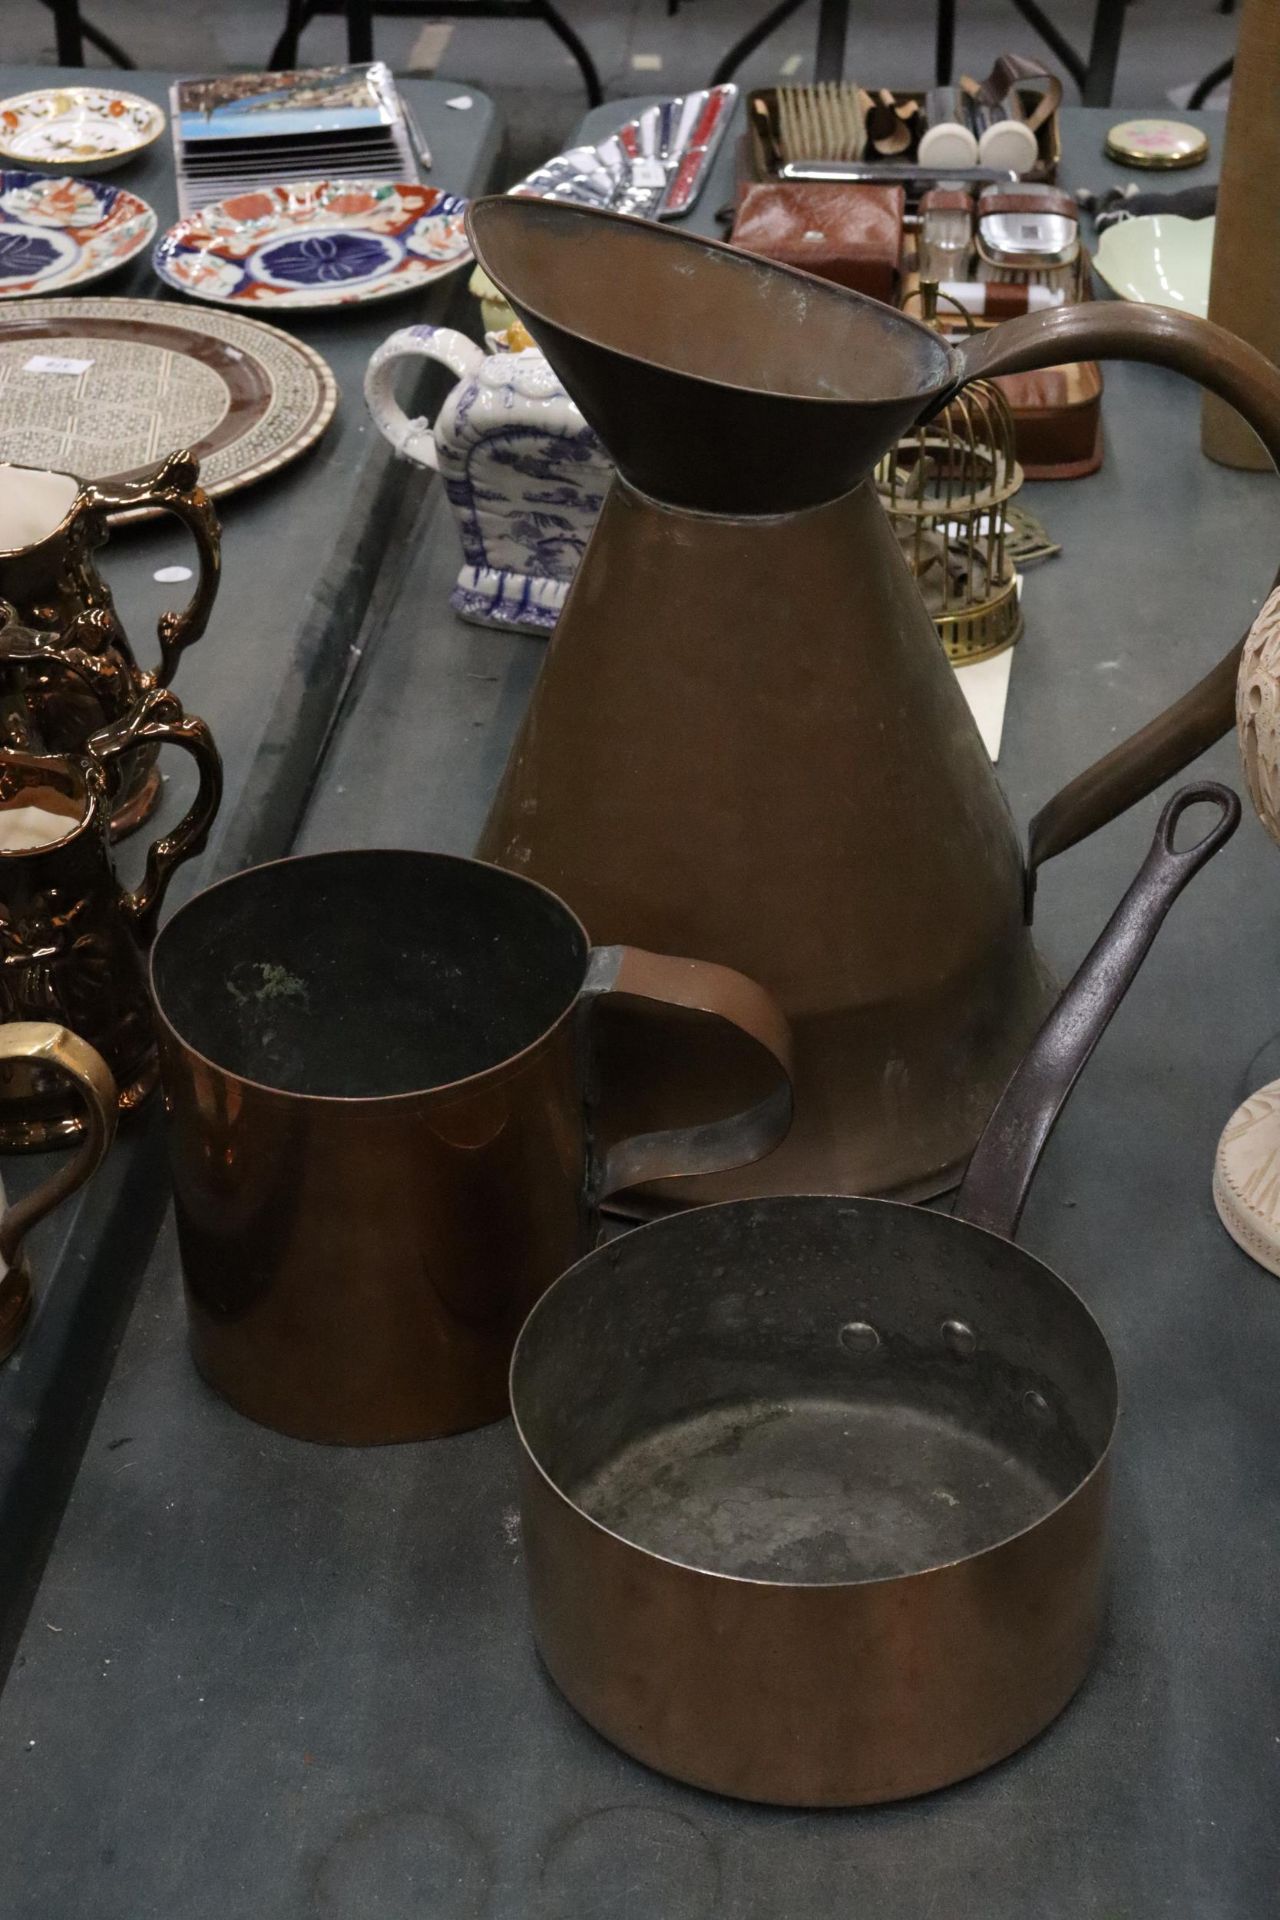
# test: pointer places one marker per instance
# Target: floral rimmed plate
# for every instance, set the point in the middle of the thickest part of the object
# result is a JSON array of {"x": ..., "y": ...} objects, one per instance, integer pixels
[
  {"x": 62, "y": 129},
  {"x": 57, "y": 234},
  {"x": 315, "y": 243}
]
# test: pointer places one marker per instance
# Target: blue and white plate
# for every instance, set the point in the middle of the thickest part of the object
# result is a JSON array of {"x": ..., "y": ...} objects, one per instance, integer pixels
[
  {"x": 56, "y": 234},
  {"x": 315, "y": 243}
]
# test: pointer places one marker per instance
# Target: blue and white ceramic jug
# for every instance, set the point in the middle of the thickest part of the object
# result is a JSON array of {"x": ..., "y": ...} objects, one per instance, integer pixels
[{"x": 522, "y": 469}]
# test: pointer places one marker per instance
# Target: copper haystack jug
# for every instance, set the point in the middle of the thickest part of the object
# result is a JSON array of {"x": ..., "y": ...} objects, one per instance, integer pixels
[{"x": 746, "y": 743}]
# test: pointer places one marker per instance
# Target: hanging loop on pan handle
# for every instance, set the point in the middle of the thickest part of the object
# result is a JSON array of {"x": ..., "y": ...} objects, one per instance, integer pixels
[
  {"x": 722, "y": 994},
  {"x": 999, "y": 1174},
  {"x": 1247, "y": 381}
]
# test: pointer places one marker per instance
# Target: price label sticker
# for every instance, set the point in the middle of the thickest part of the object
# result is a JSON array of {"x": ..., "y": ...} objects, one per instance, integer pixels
[{"x": 54, "y": 363}]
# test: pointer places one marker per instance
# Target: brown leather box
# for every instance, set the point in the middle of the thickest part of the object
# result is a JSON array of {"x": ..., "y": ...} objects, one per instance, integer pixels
[
  {"x": 1057, "y": 420},
  {"x": 851, "y": 234}
]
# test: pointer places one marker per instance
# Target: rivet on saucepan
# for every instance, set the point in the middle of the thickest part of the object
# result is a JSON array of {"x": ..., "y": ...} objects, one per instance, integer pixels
[
  {"x": 859, "y": 1336},
  {"x": 814, "y": 233},
  {"x": 958, "y": 1337},
  {"x": 1036, "y": 1405}
]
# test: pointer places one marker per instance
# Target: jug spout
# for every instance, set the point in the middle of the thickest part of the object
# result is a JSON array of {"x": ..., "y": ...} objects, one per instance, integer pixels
[
  {"x": 34, "y": 503},
  {"x": 719, "y": 383}
]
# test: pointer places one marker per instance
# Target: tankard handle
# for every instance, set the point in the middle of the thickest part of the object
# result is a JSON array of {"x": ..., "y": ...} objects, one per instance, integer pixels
[
  {"x": 159, "y": 717},
  {"x": 1238, "y": 374},
  {"x": 50, "y": 1046},
  {"x": 414, "y": 439},
  {"x": 724, "y": 995},
  {"x": 175, "y": 488}
]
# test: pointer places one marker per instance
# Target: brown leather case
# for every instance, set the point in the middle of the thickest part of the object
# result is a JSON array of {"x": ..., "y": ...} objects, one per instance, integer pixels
[
  {"x": 848, "y": 233},
  {"x": 1057, "y": 420}
]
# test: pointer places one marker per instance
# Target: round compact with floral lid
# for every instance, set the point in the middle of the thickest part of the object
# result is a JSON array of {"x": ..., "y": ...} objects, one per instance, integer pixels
[{"x": 1157, "y": 144}]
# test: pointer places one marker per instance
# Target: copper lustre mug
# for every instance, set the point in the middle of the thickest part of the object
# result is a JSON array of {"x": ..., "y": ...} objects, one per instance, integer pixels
[
  {"x": 37, "y": 1043},
  {"x": 380, "y": 1092},
  {"x": 72, "y": 937},
  {"x": 51, "y": 526}
]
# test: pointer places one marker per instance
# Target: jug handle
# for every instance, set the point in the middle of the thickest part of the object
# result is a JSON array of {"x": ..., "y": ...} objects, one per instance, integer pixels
[
  {"x": 158, "y": 716},
  {"x": 174, "y": 488},
  {"x": 999, "y": 1174},
  {"x": 723, "y": 995},
  {"x": 51, "y": 1046},
  {"x": 414, "y": 438},
  {"x": 1238, "y": 374}
]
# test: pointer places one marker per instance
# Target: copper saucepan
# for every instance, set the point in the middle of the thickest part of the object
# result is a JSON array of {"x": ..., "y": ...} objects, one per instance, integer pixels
[{"x": 815, "y": 1488}]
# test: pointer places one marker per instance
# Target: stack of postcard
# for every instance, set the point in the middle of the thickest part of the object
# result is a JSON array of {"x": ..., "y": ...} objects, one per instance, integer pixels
[{"x": 234, "y": 132}]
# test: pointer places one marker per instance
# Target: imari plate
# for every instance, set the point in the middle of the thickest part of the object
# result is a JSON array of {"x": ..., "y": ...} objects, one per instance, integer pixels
[
  {"x": 62, "y": 129},
  {"x": 315, "y": 243},
  {"x": 58, "y": 234}
]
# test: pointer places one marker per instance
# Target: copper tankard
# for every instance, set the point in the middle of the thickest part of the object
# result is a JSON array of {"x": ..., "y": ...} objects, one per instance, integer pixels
[
  {"x": 54, "y": 1051},
  {"x": 384, "y": 1128},
  {"x": 72, "y": 938},
  {"x": 51, "y": 525}
]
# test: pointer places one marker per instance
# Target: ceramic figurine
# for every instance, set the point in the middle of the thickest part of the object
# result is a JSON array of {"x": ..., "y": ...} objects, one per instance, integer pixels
[
  {"x": 1246, "y": 1173},
  {"x": 523, "y": 471}
]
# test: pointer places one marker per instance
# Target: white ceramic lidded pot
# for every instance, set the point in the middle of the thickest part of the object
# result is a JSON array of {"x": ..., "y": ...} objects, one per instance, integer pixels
[{"x": 523, "y": 471}]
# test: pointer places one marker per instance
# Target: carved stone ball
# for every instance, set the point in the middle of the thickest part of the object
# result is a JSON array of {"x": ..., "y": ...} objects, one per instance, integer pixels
[{"x": 1258, "y": 713}]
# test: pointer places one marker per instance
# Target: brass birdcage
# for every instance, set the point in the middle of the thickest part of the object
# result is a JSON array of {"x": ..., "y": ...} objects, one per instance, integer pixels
[{"x": 946, "y": 486}]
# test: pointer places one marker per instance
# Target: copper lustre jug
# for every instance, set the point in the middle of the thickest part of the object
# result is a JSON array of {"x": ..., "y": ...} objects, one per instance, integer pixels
[
  {"x": 72, "y": 938},
  {"x": 745, "y": 743},
  {"x": 51, "y": 526}
]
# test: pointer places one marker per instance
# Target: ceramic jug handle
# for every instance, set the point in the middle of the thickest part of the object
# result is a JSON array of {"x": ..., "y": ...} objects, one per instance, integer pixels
[
  {"x": 1238, "y": 374},
  {"x": 175, "y": 488},
  {"x": 159, "y": 717},
  {"x": 50, "y": 1046},
  {"x": 414, "y": 438},
  {"x": 723, "y": 995}
]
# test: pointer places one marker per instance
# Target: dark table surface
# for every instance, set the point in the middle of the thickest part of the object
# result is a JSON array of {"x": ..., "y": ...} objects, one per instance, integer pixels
[
  {"x": 260, "y": 1677},
  {"x": 302, "y": 552}
]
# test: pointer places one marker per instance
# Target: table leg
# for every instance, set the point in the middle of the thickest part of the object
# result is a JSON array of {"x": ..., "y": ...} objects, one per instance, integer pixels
[
  {"x": 284, "y": 54},
  {"x": 66, "y": 26},
  {"x": 1061, "y": 48},
  {"x": 359, "y": 30},
  {"x": 944, "y": 43},
  {"x": 1104, "y": 53},
  {"x": 566, "y": 35},
  {"x": 833, "y": 30},
  {"x": 742, "y": 49}
]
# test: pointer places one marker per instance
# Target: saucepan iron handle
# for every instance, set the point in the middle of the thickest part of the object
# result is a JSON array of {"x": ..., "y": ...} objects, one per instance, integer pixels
[
  {"x": 723, "y": 995},
  {"x": 995, "y": 1186},
  {"x": 1238, "y": 374}
]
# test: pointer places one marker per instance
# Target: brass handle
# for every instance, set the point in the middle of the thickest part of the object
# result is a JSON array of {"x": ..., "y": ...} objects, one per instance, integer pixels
[
  {"x": 724, "y": 995},
  {"x": 158, "y": 716},
  {"x": 174, "y": 487},
  {"x": 52, "y": 1046},
  {"x": 1247, "y": 381}
]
